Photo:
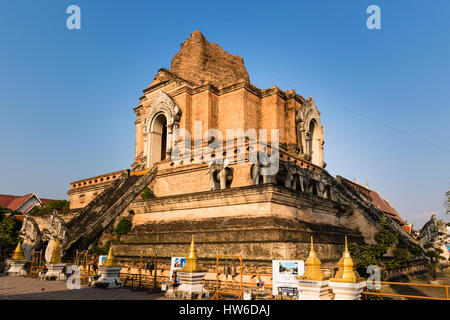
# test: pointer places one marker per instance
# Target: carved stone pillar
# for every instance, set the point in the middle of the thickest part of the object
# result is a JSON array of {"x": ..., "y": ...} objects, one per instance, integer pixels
[
  {"x": 308, "y": 150},
  {"x": 170, "y": 142}
]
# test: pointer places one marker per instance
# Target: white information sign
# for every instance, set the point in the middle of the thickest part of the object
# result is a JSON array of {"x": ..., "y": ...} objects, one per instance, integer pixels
[
  {"x": 101, "y": 260},
  {"x": 284, "y": 273}
]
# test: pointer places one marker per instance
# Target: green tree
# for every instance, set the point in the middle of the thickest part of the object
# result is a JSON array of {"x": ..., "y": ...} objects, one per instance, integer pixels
[
  {"x": 416, "y": 252},
  {"x": 59, "y": 205},
  {"x": 434, "y": 256},
  {"x": 3, "y": 211},
  {"x": 373, "y": 254},
  {"x": 365, "y": 255},
  {"x": 385, "y": 238},
  {"x": 401, "y": 258},
  {"x": 9, "y": 232}
]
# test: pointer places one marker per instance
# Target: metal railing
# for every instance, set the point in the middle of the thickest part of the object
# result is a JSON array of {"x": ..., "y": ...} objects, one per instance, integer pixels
[
  {"x": 220, "y": 290},
  {"x": 141, "y": 281}
]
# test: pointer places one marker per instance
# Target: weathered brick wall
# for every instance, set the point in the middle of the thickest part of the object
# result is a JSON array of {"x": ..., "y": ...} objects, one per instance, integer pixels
[{"x": 82, "y": 192}]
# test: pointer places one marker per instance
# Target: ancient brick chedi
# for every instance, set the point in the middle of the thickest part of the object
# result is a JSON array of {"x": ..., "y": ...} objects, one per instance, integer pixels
[
  {"x": 201, "y": 62},
  {"x": 235, "y": 206}
]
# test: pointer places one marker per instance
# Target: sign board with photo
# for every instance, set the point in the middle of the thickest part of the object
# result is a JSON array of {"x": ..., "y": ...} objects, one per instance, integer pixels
[
  {"x": 176, "y": 264},
  {"x": 101, "y": 260},
  {"x": 284, "y": 276}
]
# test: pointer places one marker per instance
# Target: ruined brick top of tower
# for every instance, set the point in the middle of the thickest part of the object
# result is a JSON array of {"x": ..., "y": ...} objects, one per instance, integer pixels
[{"x": 201, "y": 62}]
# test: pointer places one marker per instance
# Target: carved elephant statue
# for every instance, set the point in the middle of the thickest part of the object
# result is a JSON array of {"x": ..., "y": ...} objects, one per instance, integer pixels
[
  {"x": 282, "y": 175},
  {"x": 257, "y": 173},
  {"x": 300, "y": 179},
  {"x": 221, "y": 176}
]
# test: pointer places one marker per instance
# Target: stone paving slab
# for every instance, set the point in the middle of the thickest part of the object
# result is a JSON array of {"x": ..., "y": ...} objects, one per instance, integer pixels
[{"x": 23, "y": 288}]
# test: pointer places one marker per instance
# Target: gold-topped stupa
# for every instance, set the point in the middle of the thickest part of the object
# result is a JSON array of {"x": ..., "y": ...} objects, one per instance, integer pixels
[
  {"x": 56, "y": 254},
  {"x": 346, "y": 271},
  {"x": 18, "y": 253},
  {"x": 312, "y": 267},
  {"x": 110, "y": 260},
  {"x": 191, "y": 259}
]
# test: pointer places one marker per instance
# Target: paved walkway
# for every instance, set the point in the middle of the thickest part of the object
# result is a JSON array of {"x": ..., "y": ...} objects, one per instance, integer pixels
[{"x": 23, "y": 288}]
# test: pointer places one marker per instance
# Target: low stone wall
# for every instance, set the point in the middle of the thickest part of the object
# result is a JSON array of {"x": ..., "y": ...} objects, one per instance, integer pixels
[{"x": 414, "y": 267}]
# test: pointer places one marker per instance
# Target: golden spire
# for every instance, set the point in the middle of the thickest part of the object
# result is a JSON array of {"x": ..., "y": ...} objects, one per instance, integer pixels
[
  {"x": 56, "y": 255},
  {"x": 346, "y": 271},
  {"x": 367, "y": 183},
  {"x": 312, "y": 266},
  {"x": 191, "y": 259},
  {"x": 18, "y": 252},
  {"x": 110, "y": 260}
]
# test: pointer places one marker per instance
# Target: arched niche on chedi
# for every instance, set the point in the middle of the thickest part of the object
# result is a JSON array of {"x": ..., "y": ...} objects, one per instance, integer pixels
[
  {"x": 310, "y": 133},
  {"x": 163, "y": 117}
]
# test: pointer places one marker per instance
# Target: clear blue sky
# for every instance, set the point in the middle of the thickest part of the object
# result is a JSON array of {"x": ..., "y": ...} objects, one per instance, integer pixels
[{"x": 66, "y": 96}]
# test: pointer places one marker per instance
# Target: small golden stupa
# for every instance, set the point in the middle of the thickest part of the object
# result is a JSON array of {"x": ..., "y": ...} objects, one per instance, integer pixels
[
  {"x": 110, "y": 260},
  {"x": 56, "y": 254},
  {"x": 18, "y": 252},
  {"x": 346, "y": 271},
  {"x": 191, "y": 259},
  {"x": 312, "y": 267}
]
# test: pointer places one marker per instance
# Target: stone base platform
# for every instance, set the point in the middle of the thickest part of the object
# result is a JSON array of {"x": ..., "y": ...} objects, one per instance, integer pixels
[
  {"x": 346, "y": 290},
  {"x": 109, "y": 278},
  {"x": 55, "y": 271},
  {"x": 191, "y": 286},
  {"x": 313, "y": 290},
  {"x": 17, "y": 268}
]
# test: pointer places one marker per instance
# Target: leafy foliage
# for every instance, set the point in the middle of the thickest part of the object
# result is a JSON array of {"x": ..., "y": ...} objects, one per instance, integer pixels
[
  {"x": 365, "y": 255},
  {"x": 402, "y": 258},
  {"x": 9, "y": 230},
  {"x": 59, "y": 205},
  {"x": 416, "y": 252},
  {"x": 147, "y": 194},
  {"x": 123, "y": 227},
  {"x": 384, "y": 238},
  {"x": 97, "y": 251},
  {"x": 3, "y": 211}
]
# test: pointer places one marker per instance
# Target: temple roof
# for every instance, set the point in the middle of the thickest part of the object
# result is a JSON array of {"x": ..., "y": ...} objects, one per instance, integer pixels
[
  {"x": 201, "y": 62},
  {"x": 15, "y": 202},
  {"x": 378, "y": 201},
  {"x": 385, "y": 206}
]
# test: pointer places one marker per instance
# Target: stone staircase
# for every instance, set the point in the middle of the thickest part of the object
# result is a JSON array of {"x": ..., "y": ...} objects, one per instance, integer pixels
[
  {"x": 90, "y": 222},
  {"x": 358, "y": 200}
]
